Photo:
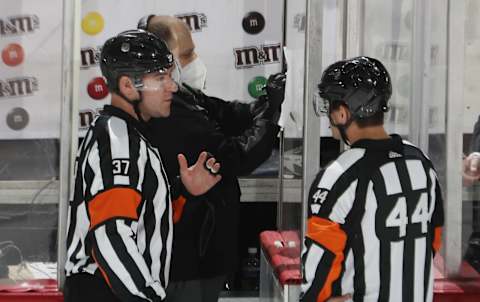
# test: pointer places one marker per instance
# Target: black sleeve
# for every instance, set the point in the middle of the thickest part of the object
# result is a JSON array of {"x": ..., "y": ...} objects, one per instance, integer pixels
[
  {"x": 243, "y": 137},
  {"x": 233, "y": 117},
  {"x": 249, "y": 134},
  {"x": 240, "y": 155}
]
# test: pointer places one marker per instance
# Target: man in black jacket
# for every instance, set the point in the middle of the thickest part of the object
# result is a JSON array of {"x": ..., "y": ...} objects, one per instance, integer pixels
[{"x": 240, "y": 136}]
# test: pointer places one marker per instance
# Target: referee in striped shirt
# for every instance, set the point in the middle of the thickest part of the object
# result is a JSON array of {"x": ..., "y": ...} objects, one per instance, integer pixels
[
  {"x": 120, "y": 218},
  {"x": 375, "y": 213}
]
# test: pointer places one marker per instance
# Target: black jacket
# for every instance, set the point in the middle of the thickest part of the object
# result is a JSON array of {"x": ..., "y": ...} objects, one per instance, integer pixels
[{"x": 205, "y": 238}]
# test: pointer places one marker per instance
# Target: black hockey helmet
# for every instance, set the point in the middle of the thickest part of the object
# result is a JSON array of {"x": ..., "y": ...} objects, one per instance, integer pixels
[
  {"x": 133, "y": 53},
  {"x": 361, "y": 83}
]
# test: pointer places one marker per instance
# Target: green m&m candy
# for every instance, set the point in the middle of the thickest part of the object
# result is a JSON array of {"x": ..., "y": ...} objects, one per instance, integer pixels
[{"x": 256, "y": 85}]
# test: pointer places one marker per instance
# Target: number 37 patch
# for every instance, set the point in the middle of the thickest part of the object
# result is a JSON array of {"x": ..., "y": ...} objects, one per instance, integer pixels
[
  {"x": 318, "y": 199},
  {"x": 120, "y": 166}
]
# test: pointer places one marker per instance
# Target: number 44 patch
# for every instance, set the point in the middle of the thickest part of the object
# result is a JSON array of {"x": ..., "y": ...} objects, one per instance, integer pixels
[{"x": 318, "y": 199}]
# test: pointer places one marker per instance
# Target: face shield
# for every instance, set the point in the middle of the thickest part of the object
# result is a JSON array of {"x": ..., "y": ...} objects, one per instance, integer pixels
[
  {"x": 160, "y": 80},
  {"x": 321, "y": 106}
]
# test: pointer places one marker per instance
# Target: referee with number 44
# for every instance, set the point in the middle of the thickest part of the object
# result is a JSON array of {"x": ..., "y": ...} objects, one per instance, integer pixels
[{"x": 375, "y": 213}]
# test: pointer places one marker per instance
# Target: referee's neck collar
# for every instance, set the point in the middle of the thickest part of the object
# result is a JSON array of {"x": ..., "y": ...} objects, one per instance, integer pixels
[
  {"x": 117, "y": 112},
  {"x": 394, "y": 142}
]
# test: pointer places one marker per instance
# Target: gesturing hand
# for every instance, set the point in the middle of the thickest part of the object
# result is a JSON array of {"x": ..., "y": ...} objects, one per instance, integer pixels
[{"x": 196, "y": 179}]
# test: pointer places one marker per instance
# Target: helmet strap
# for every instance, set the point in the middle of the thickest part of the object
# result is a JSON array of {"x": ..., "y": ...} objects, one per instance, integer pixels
[
  {"x": 342, "y": 128},
  {"x": 136, "y": 107},
  {"x": 135, "y": 103}
]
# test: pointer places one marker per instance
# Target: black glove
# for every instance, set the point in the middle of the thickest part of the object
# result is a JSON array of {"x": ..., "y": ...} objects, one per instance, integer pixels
[
  {"x": 269, "y": 106},
  {"x": 276, "y": 90}
]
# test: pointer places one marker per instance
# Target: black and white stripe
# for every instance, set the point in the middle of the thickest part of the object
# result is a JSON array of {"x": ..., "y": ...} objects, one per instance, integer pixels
[
  {"x": 135, "y": 255},
  {"x": 387, "y": 200}
]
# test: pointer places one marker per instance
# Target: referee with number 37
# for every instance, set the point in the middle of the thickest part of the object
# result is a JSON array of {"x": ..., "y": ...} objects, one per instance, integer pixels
[
  {"x": 120, "y": 217},
  {"x": 375, "y": 213}
]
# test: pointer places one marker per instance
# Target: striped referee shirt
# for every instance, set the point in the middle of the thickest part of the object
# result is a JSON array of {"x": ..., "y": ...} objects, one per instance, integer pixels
[
  {"x": 119, "y": 217},
  {"x": 375, "y": 217}
]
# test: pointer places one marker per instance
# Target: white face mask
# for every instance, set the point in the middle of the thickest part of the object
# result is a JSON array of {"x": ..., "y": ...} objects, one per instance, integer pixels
[
  {"x": 194, "y": 74},
  {"x": 176, "y": 72}
]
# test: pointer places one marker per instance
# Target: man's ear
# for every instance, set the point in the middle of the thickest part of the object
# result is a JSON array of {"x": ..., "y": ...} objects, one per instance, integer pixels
[
  {"x": 340, "y": 115},
  {"x": 344, "y": 114},
  {"x": 125, "y": 85}
]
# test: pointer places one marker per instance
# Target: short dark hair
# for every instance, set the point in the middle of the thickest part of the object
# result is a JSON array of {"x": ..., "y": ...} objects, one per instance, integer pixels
[{"x": 375, "y": 120}]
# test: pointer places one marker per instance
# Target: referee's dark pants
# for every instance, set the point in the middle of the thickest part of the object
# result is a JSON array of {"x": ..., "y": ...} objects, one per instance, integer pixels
[{"x": 84, "y": 287}]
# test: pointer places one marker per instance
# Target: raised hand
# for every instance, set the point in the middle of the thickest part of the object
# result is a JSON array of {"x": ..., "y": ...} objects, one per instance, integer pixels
[
  {"x": 269, "y": 106},
  {"x": 276, "y": 89},
  {"x": 196, "y": 178}
]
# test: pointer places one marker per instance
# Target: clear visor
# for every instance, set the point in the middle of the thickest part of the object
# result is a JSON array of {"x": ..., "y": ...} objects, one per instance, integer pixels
[
  {"x": 161, "y": 80},
  {"x": 321, "y": 106}
]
